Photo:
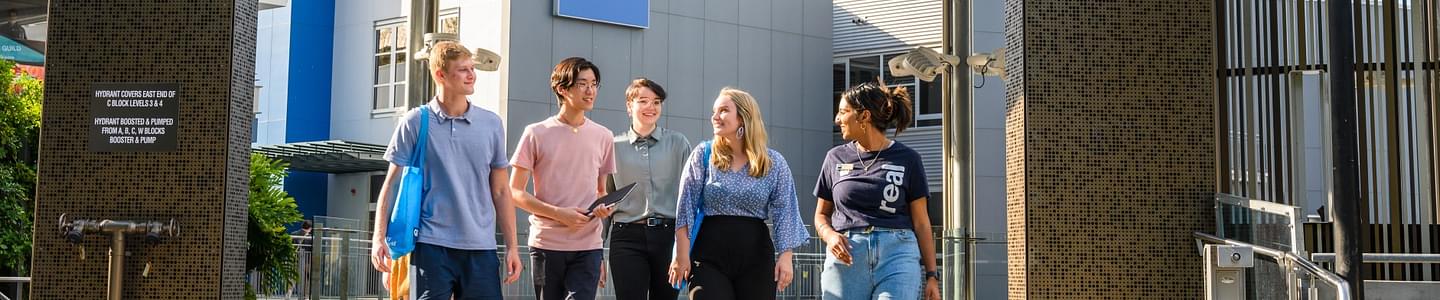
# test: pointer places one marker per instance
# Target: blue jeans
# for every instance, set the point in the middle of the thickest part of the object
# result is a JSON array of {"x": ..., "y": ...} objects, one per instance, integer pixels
[
  {"x": 441, "y": 273},
  {"x": 885, "y": 264}
]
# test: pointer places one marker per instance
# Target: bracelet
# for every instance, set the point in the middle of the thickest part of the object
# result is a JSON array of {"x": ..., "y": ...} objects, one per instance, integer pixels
[{"x": 933, "y": 274}]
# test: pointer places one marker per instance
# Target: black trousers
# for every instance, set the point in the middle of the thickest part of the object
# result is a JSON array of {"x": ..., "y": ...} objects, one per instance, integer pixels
[
  {"x": 565, "y": 275},
  {"x": 733, "y": 259},
  {"x": 640, "y": 261}
]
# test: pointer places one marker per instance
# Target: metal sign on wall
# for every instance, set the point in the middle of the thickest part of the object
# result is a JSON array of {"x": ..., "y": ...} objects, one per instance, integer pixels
[
  {"x": 133, "y": 117},
  {"x": 632, "y": 13}
]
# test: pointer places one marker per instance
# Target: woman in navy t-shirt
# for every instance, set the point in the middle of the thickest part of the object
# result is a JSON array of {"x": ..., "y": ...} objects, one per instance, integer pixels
[{"x": 871, "y": 208}]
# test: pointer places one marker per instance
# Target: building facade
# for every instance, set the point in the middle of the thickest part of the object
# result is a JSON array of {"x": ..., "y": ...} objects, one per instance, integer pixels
[{"x": 336, "y": 71}]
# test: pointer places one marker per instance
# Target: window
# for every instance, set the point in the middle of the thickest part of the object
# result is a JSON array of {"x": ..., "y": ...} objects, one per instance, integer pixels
[
  {"x": 856, "y": 70},
  {"x": 450, "y": 21},
  {"x": 391, "y": 39}
]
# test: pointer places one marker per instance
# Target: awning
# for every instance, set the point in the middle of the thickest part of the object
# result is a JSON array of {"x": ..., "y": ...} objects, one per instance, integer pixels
[
  {"x": 332, "y": 156},
  {"x": 20, "y": 52}
]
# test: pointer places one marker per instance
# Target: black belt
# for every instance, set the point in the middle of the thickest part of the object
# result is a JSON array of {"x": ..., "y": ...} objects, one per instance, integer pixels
[{"x": 652, "y": 222}]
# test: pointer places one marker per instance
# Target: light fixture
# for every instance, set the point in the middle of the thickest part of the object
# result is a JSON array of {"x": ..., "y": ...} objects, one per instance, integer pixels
[
  {"x": 430, "y": 39},
  {"x": 922, "y": 63}
]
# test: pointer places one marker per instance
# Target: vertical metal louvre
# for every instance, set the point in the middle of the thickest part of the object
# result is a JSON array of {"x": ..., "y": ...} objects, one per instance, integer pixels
[{"x": 1274, "y": 119}]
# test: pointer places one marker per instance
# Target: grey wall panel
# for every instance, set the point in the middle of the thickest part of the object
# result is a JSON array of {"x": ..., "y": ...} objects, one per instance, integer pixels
[
  {"x": 614, "y": 59},
  {"x": 754, "y": 65},
  {"x": 570, "y": 37},
  {"x": 786, "y": 70},
  {"x": 721, "y": 57},
  {"x": 688, "y": 8},
  {"x": 816, "y": 17},
  {"x": 655, "y": 55},
  {"x": 755, "y": 13},
  {"x": 686, "y": 78},
  {"x": 727, "y": 11},
  {"x": 870, "y": 26},
  {"x": 783, "y": 16}
]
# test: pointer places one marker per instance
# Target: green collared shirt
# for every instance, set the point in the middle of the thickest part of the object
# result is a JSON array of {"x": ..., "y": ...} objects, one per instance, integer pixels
[{"x": 653, "y": 163}]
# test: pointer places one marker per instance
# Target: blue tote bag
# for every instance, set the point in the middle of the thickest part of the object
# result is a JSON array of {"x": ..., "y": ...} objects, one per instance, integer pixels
[
  {"x": 405, "y": 217},
  {"x": 699, "y": 205}
]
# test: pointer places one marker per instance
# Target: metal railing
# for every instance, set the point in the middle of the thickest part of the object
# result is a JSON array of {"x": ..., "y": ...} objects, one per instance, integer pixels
[
  {"x": 336, "y": 265},
  {"x": 19, "y": 292},
  {"x": 1298, "y": 284}
]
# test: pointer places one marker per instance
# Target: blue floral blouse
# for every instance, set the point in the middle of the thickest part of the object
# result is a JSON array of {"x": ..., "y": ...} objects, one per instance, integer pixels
[{"x": 770, "y": 197}]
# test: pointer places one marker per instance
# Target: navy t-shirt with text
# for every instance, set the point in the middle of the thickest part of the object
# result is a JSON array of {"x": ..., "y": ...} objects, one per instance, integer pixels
[{"x": 867, "y": 193}]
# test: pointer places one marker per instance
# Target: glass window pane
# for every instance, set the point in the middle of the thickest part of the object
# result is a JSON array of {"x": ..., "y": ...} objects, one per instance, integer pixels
[
  {"x": 400, "y": 70},
  {"x": 450, "y": 24},
  {"x": 930, "y": 100},
  {"x": 400, "y": 94},
  {"x": 864, "y": 69},
  {"x": 382, "y": 97},
  {"x": 382, "y": 69},
  {"x": 402, "y": 34},
  {"x": 384, "y": 39},
  {"x": 890, "y": 79}
]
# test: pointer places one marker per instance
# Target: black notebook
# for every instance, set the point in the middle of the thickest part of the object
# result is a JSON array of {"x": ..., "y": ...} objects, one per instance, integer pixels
[{"x": 611, "y": 198}]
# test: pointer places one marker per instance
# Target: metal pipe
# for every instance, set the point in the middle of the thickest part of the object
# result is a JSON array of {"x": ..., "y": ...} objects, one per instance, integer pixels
[
  {"x": 423, "y": 14},
  {"x": 1421, "y": 258},
  {"x": 957, "y": 109},
  {"x": 75, "y": 230},
  {"x": 117, "y": 266},
  {"x": 1345, "y": 202},
  {"x": 345, "y": 267}
]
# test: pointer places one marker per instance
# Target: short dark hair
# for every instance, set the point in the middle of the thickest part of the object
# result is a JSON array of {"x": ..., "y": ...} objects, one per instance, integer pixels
[
  {"x": 633, "y": 90},
  {"x": 567, "y": 71},
  {"x": 307, "y": 224}
]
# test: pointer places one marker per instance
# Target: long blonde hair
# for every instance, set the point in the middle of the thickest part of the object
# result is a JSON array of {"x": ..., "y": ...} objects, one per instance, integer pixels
[{"x": 754, "y": 138}]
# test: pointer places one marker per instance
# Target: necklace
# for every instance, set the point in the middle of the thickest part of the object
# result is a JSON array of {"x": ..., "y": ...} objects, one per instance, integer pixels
[{"x": 866, "y": 166}]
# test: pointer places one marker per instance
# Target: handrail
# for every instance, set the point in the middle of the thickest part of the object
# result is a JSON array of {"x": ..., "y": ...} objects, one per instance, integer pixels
[
  {"x": 1342, "y": 289},
  {"x": 24, "y": 280},
  {"x": 1427, "y": 258}
]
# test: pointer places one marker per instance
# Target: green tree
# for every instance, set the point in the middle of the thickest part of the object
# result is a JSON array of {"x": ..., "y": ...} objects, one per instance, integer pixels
[
  {"x": 20, "y": 97},
  {"x": 271, "y": 251}
]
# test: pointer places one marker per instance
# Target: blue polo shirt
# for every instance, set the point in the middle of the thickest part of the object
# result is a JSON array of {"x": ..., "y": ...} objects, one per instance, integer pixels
[{"x": 457, "y": 211}]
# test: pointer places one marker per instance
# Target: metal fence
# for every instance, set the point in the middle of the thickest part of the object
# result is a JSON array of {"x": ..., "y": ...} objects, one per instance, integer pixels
[
  {"x": 336, "y": 265},
  {"x": 14, "y": 288}
]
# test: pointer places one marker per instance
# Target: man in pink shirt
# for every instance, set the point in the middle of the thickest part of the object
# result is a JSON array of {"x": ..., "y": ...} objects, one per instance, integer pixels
[{"x": 568, "y": 156}]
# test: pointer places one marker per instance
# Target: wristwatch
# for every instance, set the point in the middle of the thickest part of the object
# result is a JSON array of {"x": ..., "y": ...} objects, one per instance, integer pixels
[{"x": 933, "y": 274}]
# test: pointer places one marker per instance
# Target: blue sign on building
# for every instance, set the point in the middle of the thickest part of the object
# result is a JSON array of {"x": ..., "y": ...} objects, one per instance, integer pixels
[{"x": 633, "y": 13}]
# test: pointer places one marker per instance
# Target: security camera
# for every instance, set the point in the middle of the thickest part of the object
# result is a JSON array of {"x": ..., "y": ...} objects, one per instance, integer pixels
[
  {"x": 486, "y": 60},
  {"x": 987, "y": 63},
  {"x": 922, "y": 63}
]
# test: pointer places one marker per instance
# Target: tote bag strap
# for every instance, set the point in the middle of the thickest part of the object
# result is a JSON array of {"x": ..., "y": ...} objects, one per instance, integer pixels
[{"x": 417, "y": 158}]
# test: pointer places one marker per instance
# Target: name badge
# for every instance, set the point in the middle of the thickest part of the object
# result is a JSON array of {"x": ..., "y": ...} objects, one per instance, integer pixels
[{"x": 844, "y": 169}]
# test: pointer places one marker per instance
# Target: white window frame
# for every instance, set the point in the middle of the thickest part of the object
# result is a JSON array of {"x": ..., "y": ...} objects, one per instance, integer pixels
[
  {"x": 397, "y": 104},
  {"x": 914, "y": 85}
]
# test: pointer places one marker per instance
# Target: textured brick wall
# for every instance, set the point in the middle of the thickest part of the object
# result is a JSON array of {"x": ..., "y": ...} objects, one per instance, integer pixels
[
  {"x": 207, "y": 47},
  {"x": 1109, "y": 147}
]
